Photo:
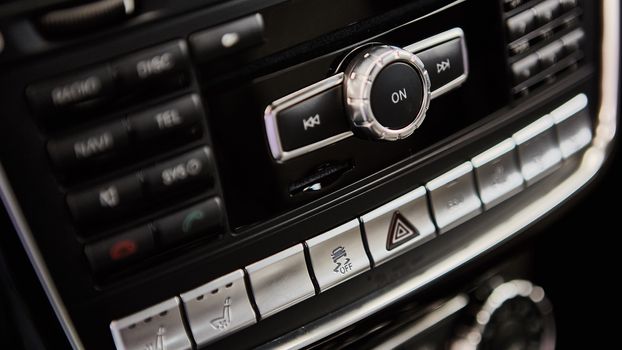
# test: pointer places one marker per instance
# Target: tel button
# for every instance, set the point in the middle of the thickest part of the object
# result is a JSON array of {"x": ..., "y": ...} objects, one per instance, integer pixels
[
  {"x": 204, "y": 218},
  {"x": 180, "y": 115},
  {"x": 186, "y": 171},
  {"x": 444, "y": 63},
  {"x": 120, "y": 249},
  {"x": 312, "y": 120}
]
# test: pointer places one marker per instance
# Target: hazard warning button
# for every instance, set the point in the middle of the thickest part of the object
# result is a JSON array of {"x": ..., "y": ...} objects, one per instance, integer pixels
[{"x": 398, "y": 226}]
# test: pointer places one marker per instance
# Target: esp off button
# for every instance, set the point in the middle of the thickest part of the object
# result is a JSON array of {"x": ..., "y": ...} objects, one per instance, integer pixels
[{"x": 186, "y": 171}]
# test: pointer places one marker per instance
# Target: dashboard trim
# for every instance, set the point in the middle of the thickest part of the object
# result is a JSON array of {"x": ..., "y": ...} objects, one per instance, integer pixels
[{"x": 588, "y": 166}]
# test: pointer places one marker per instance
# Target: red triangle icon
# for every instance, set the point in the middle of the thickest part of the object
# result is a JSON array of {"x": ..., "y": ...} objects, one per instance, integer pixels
[{"x": 400, "y": 231}]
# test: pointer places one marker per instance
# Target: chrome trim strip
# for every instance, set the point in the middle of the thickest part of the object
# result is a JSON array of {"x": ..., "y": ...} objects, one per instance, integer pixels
[
  {"x": 455, "y": 33},
  {"x": 428, "y": 321},
  {"x": 588, "y": 166},
  {"x": 272, "y": 128},
  {"x": 34, "y": 255}
]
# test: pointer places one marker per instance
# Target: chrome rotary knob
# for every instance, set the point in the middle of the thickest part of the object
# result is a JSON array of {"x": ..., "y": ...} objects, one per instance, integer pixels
[{"x": 387, "y": 93}]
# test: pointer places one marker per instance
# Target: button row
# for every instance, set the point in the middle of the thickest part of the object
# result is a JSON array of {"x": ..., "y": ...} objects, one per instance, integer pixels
[
  {"x": 338, "y": 255},
  {"x": 119, "y": 198},
  {"x": 163, "y": 64},
  {"x": 111, "y": 141},
  {"x": 547, "y": 56},
  {"x": 536, "y": 16},
  {"x": 205, "y": 218}
]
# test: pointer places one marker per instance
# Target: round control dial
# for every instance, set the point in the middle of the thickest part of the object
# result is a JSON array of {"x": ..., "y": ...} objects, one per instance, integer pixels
[
  {"x": 387, "y": 92},
  {"x": 516, "y": 315}
]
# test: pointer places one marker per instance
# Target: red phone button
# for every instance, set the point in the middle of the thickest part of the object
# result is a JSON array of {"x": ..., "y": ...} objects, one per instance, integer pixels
[{"x": 120, "y": 250}]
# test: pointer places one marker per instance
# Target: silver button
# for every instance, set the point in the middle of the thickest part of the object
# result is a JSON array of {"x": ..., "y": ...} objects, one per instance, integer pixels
[
  {"x": 454, "y": 198},
  {"x": 218, "y": 308},
  {"x": 497, "y": 174},
  {"x": 398, "y": 226},
  {"x": 538, "y": 152},
  {"x": 158, "y": 327},
  {"x": 338, "y": 255},
  {"x": 280, "y": 281},
  {"x": 573, "y": 125}
]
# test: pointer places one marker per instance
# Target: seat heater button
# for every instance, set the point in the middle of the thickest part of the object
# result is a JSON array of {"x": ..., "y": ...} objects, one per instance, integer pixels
[
  {"x": 338, "y": 255},
  {"x": 538, "y": 151},
  {"x": 497, "y": 173},
  {"x": 398, "y": 226},
  {"x": 107, "y": 201},
  {"x": 454, "y": 198},
  {"x": 280, "y": 281},
  {"x": 101, "y": 144},
  {"x": 165, "y": 64},
  {"x": 60, "y": 93},
  {"x": 158, "y": 327},
  {"x": 182, "y": 115},
  {"x": 573, "y": 125},
  {"x": 120, "y": 250},
  {"x": 187, "y": 171},
  {"x": 218, "y": 308},
  {"x": 205, "y": 218}
]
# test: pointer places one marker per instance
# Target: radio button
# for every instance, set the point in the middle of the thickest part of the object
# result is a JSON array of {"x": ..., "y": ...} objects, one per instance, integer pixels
[
  {"x": 280, "y": 281},
  {"x": 227, "y": 38},
  {"x": 454, "y": 198},
  {"x": 497, "y": 173},
  {"x": 521, "y": 24},
  {"x": 120, "y": 250},
  {"x": 58, "y": 94},
  {"x": 398, "y": 226},
  {"x": 538, "y": 151},
  {"x": 525, "y": 68},
  {"x": 181, "y": 115},
  {"x": 547, "y": 10},
  {"x": 445, "y": 63},
  {"x": 312, "y": 120},
  {"x": 99, "y": 144},
  {"x": 218, "y": 308},
  {"x": 338, "y": 255},
  {"x": 165, "y": 64},
  {"x": 186, "y": 171},
  {"x": 202, "y": 219},
  {"x": 108, "y": 201},
  {"x": 158, "y": 327}
]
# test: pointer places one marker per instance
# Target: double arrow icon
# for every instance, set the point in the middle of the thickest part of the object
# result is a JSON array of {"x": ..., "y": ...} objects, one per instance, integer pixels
[{"x": 400, "y": 231}]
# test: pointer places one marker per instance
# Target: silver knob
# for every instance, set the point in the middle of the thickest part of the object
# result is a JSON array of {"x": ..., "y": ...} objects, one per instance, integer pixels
[{"x": 387, "y": 92}]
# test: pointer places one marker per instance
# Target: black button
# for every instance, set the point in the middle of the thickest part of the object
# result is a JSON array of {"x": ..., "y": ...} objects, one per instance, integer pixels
[
  {"x": 312, "y": 120},
  {"x": 396, "y": 95},
  {"x": 181, "y": 115},
  {"x": 64, "y": 92},
  {"x": 108, "y": 201},
  {"x": 228, "y": 38},
  {"x": 205, "y": 218},
  {"x": 101, "y": 144},
  {"x": 525, "y": 68},
  {"x": 181, "y": 173},
  {"x": 166, "y": 64},
  {"x": 443, "y": 62},
  {"x": 521, "y": 24},
  {"x": 551, "y": 54},
  {"x": 546, "y": 11},
  {"x": 120, "y": 250}
]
